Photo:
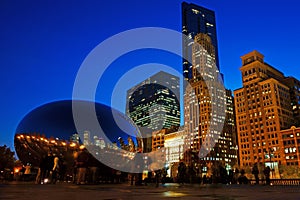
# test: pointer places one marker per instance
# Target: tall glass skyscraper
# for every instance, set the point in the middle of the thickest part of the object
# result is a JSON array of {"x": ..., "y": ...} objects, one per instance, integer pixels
[
  {"x": 154, "y": 105},
  {"x": 208, "y": 106},
  {"x": 196, "y": 19}
]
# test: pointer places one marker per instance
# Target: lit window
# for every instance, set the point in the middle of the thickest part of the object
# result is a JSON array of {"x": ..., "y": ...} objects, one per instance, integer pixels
[{"x": 195, "y": 11}]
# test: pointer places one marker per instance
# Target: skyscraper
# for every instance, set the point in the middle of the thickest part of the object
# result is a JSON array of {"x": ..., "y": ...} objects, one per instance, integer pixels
[
  {"x": 154, "y": 105},
  {"x": 208, "y": 113},
  {"x": 197, "y": 19},
  {"x": 86, "y": 138}
]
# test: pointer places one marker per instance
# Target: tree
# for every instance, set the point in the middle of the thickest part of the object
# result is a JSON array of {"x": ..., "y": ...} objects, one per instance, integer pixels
[
  {"x": 289, "y": 172},
  {"x": 7, "y": 158}
]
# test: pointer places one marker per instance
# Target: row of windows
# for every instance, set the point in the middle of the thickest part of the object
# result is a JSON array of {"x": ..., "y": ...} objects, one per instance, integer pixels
[
  {"x": 288, "y": 142},
  {"x": 291, "y": 163},
  {"x": 290, "y": 135}
]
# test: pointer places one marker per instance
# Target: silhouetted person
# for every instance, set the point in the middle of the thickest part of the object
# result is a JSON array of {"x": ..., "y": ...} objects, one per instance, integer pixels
[
  {"x": 62, "y": 168},
  {"x": 243, "y": 179},
  {"x": 236, "y": 175},
  {"x": 267, "y": 171},
  {"x": 93, "y": 164},
  {"x": 27, "y": 172},
  {"x": 223, "y": 174},
  {"x": 140, "y": 165},
  {"x": 157, "y": 177},
  {"x": 55, "y": 169},
  {"x": 255, "y": 172},
  {"x": 181, "y": 172},
  {"x": 42, "y": 170},
  {"x": 82, "y": 164},
  {"x": 231, "y": 177},
  {"x": 205, "y": 181},
  {"x": 49, "y": 166},
  {"x": 191, "y": 173},
  {"x": 163, "y": 175},
  {"x": 75, "y": 156}
]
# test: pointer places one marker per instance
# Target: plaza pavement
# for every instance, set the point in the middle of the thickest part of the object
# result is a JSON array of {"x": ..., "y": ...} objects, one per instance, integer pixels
[{"x": 66, "y": 191}]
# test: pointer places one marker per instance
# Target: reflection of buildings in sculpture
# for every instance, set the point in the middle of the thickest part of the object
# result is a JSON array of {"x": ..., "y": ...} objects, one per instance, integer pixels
[
  {"x": 99, "y": 142},
  {"x": 30, "y": 148},
  {"x": 56, "y": 118},
  {"x": 263, "y": 108},
  {"x": 74, "y": 138},
  {"x": 131, "y": 145},
  {"x": 153, "y": 105},
  {"x": 86, "y": 138},
  {"x": 174, "y": 149}
]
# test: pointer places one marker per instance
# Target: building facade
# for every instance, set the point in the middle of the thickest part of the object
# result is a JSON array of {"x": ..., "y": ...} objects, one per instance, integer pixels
[
  {"x": 153, "y": 105},
  {"x": 174, "y": 148},
  {"x": 294, "y": 86},
  {"x": 291, "y": 146},
  {"x": 263, "y": 108},
  {"x": 208, "y": 110}
]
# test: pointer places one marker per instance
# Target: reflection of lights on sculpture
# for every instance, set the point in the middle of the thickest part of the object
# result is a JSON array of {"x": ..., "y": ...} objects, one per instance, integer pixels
[
  {"x": 16, "y": 170},
  {"x": 72, "y": 145},
  {"x": 100, "y": 146},
  {"x": 81, "y": 147}
]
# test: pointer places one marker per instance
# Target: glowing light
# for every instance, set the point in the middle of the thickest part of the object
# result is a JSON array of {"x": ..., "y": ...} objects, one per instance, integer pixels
[
  {"x": 72, "y": 145},
  {"x": 81, "y": 147},
  {"x": 16, "y": 170},
  {"x": 173, "y": 194}
]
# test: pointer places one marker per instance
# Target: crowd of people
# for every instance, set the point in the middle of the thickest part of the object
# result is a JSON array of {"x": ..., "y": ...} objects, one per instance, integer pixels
[
  {"x": 221, "y": 175},
  {"x": 86, "y": 170}
]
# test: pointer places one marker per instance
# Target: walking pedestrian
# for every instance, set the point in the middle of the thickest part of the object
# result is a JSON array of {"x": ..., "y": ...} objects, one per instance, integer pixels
[
  {"x": 267, "y": 171},
  {"x": 55, "y": 169},
  {"x": 82, "y": 161},
  {"x": 42, "y": 170},
  {"x": 255, "y": 172},
  {"x": 181, "y": 173}
]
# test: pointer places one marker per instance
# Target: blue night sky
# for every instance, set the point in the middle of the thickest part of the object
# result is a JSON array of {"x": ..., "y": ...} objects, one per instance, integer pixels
[{"x": 43, "y": 44}]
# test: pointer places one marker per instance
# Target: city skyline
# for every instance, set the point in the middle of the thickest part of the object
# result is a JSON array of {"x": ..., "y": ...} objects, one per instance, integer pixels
[{"x": 42, "y": 51}]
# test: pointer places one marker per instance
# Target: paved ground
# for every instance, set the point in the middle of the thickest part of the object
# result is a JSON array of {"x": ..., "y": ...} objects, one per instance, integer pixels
[{"x": 64, "y": 191}]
